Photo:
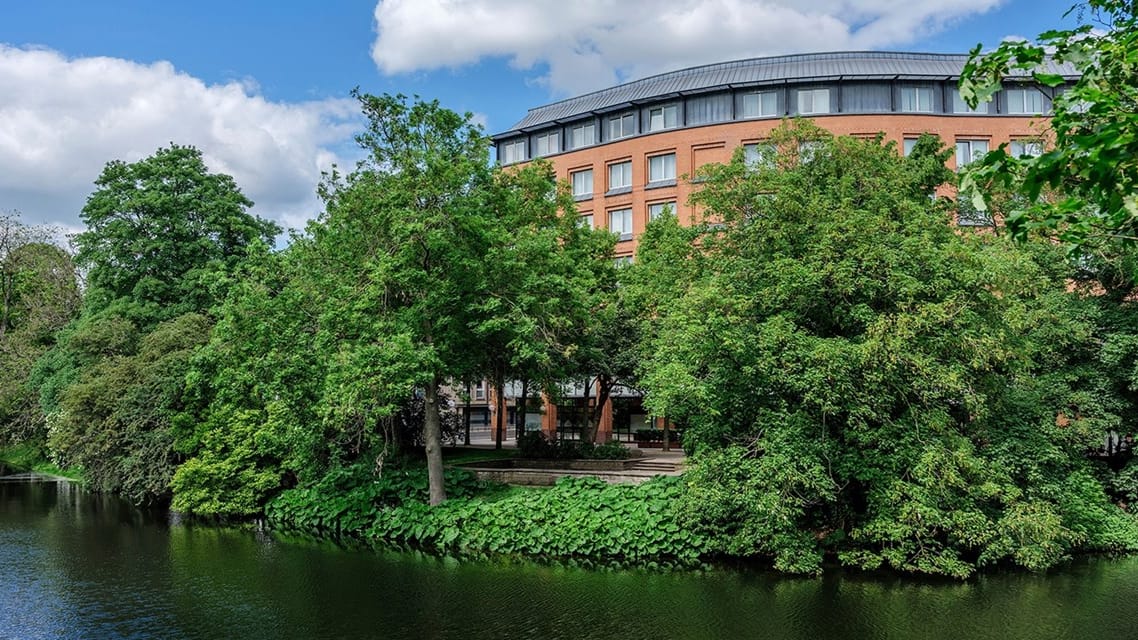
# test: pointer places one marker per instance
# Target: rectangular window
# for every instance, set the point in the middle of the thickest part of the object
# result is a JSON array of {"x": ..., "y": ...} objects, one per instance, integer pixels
[
  {"x": 758, "y": 154},
  {"x": 969, "y": 151},
  {"x": 620, "y": 223},
  {"x": 622, "y": 261},
  {"x": 1026, "y": 148},
  {"x": 907, "y": 146},
  {"x": 968, "y": 215},
  {"x": 661, "y": 208},
  {"x": 513, "y": 151},
  {"x": 960, "y": 106},
  {"x": 1027, "y": 101},
  {"x": 549, "y": 143},
  {"x": 918, "y": 99},
  {"x": 582, "y": 135},
  {"x": 760, "y": 104},
  {"x": 662, "y": 168},
  {"x": 813, "y": 101},
  {"x": 582, "y": 184},
  {"x": 664, "y": 118},
  {"x": 480, "y": 391},
  {"x": 620, "y": 175},
  {"x": 586, "y": 221},
  {"x": 622, "y": 126}
]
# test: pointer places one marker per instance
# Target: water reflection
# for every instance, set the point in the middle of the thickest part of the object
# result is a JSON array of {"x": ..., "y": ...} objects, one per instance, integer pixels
[{"x": 73, "y": 565}]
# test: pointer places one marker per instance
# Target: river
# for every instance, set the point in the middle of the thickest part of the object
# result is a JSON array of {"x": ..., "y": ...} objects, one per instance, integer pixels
[{"x": 77, "y": 565}]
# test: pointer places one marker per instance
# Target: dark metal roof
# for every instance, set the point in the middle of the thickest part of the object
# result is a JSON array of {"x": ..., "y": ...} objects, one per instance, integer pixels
[{"x": 757, "y": 71}]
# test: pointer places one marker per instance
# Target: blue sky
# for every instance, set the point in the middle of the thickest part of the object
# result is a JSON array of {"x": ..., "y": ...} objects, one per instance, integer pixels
[{"x": 262, "y": 87}]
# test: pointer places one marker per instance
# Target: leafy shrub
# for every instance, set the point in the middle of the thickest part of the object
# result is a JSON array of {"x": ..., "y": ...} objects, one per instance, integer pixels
[
  {"x": 347, "y": 499},
  {"x": 577, "y": 518}
]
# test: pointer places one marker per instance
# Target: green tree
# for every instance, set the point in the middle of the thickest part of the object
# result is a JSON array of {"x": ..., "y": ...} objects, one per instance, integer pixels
[
  {"x": 161, "y": 230},
  {"x": 39, "y": 295},
  {"x": 413, "y": 221},
  {"x": 857, "y": 375},
  {"x": 1083, "y": 187}
]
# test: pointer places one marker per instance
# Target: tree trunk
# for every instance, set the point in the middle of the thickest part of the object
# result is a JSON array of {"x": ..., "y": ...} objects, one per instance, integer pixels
[
  {"x": 466, "y": 438},
  {"x": 667, "y": 436},
  {"x": 522, "y": 410},
  {"x": 499, "y": 408},
  {"x": 432, "y": 436}
]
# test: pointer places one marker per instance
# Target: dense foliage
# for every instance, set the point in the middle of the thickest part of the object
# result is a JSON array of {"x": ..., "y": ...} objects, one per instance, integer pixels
[
  {"x": 861, "y": 377},
  {"x": 575, "y": 519}
]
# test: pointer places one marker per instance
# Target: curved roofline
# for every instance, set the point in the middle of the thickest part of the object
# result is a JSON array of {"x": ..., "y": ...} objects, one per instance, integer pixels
[
  {"x": 763, "y": 59},
  {"x": 756, "y": 71}
]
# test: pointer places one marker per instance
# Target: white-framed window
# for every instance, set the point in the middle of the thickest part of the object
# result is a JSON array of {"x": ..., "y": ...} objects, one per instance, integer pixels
[
  {"x": 480, "y": 391},
  {"x": 758, "y": 154},
  {"x": 622, "y": 126},
  {"x": 760, "y": 104},
  {"x": 582, "y": 182},
  {"x": 622, "y": 261},
  {"x": 907, "y": 146},
  {"x": 666, "y": 117},
  {"x": 586, "y": 221},
  {"x": 658, "y": 209},
  {"x": 969, "y": 151},
  {"x": 513, "y": 151},
  {"x": 1025, "y": 148},
  {"x": 918, "y": 99},
  {"x": 549, "y": 143},
  {"x": 960, "y": 106},
  {"x": 620, "y": 175},
  {"x": 813, "y": 101},
  {"x": 620, "y": 223},
  {"x": 1028, "y": 100},
  {"x": 583, "y": 135},
  {"x": 662, "y": 167}
]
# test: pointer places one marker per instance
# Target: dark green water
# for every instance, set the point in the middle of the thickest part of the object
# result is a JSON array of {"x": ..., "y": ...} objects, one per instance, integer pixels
[{"x": 73, "y": 565}]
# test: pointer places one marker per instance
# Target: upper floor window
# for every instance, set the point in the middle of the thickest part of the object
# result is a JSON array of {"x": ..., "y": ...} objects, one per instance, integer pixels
[
  {"x": 661, "y": 208},
  {"x": 661, "y": 168},
  {"x": 586, "y": 221},
  {"x": 1026, "y": 100},
  {"x": 1026, "y": 148},
  {"x": 760, "y": 104},
  {"x": 582, "y": 183},
  {"x": 620, "y": 223},
  {"x": 622, "y": 126},
  {"x": 622, "y": 261},
  {"x": 582, "y": 135},
  {"x": 813, "y": 101},
  {"x": 666, "y": 117},
  {"x": 917, "y": 99},
  {"x": 620, "y": 175},
  {"x": 969, "y": 151},
  {"x": 960, "y": 106},
  {"x": 758, "y": 154},
  {"x": 907, "y": 146},
  {"x": 549, "y": 143},
  {"x": 513, "y": 151}
]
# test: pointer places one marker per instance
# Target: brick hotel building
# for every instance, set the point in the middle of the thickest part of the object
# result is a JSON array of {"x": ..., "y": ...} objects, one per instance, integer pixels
[{"x": 625, "y": 149}]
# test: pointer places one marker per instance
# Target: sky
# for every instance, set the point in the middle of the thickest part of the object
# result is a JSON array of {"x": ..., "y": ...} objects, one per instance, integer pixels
[{"x": 262, "y": 88}]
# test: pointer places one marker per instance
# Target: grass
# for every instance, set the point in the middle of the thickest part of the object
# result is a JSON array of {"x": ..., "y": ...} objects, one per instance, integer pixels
[{"x": 30, "y": 457}]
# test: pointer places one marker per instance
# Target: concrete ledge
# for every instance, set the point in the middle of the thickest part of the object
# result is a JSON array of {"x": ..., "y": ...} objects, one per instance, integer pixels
[{"x": 548, "y": 477}]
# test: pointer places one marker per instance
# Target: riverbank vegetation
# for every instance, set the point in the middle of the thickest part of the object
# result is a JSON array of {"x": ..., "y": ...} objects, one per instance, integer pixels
[{"x": 859, "y": 379}]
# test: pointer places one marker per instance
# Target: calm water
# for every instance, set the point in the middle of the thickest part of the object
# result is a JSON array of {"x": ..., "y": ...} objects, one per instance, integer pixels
[{"x": 73, "y": 565}]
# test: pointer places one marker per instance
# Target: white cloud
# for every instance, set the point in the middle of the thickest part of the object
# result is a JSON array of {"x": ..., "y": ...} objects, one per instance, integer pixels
[
  {"x": 62, "y": 120},
  {"x": 591, "y": 44}
]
